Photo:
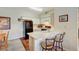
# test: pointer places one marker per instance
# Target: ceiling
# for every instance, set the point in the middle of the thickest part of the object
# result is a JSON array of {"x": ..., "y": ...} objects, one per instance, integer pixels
[{"x": 25, "y": 10}]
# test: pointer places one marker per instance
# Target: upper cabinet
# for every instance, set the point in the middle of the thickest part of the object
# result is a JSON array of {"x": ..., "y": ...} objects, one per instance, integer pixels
[{"x": 47, "y": 16}]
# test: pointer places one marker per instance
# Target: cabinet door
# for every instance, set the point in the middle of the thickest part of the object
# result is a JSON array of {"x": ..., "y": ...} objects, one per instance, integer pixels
[{"x": 46, "y": 19}]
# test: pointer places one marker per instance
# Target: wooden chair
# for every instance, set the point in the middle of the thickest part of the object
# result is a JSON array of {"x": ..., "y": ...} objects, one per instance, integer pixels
[
  {"x": 48, "y": 44},
  {"x": 58, "y": 41},
  {"x": 4, "y": 39}
]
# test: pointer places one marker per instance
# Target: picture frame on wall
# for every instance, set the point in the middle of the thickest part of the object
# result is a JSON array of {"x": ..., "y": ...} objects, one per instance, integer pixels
[
  {"x": 63, "y": 18},
  {"x": 4, "y": 23}
]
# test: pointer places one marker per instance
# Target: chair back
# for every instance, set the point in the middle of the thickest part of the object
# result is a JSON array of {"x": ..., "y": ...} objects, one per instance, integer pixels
[
  {"x": 62, "y": 35},
  {"x": 50, "y": 42},
  {"x": 59, "y": 37}
]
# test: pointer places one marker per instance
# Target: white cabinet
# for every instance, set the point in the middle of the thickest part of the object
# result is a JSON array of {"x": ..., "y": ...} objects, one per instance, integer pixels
[{"x": 47, "y": 17}]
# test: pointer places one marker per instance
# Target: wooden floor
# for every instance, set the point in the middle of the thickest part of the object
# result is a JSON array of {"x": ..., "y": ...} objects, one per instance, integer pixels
[{"x": 25, "y": 43}]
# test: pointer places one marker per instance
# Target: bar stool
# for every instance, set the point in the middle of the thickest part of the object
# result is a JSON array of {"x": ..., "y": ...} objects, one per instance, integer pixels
[
  {"x": 48, "y": 44},
  {"x": 4, "y": 39},
  {"x": 58, "y": 41}
]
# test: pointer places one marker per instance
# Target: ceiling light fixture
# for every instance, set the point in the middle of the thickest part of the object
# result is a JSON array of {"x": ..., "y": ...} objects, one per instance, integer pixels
[{"x": 37, "y": 8}]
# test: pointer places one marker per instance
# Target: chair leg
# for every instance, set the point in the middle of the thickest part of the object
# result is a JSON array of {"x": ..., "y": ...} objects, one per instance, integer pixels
[
  {"x": 42, "y": 49},
  {"x": 53, "y": 45},
  {"x": 0, "y": 44},
  {"x": 6, "y": 44},
  {"x": 51, "y": 49},
  {"x": 56, "y": 47},
  {"x": 61, "y": 47}
]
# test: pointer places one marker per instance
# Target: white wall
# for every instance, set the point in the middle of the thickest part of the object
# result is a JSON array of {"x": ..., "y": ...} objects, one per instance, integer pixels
[
  {"x": 78, "y": 28},
  {"x": 70, "y": 27},
  {"x": 34, "y": 19},
  {"x": 16, "y": 30}
]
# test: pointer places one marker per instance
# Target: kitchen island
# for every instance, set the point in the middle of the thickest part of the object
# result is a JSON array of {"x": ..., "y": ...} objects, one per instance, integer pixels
[{"x": 35, "y": 38}]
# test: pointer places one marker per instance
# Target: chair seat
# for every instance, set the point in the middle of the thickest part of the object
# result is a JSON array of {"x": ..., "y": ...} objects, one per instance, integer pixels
[{"x": 49, "y": 45}]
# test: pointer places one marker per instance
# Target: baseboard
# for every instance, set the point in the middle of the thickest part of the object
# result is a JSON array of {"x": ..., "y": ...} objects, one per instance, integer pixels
[{"x": 65, "y": 49}]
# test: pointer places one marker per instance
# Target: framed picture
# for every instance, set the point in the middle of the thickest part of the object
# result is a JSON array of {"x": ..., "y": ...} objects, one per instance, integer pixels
[
  {"x": 63, "y": 18},
  {"x": 4, "y": 23}
]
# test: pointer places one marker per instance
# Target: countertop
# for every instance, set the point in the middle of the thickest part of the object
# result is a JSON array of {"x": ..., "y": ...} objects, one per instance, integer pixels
[{"x": 43, "y": 34}]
